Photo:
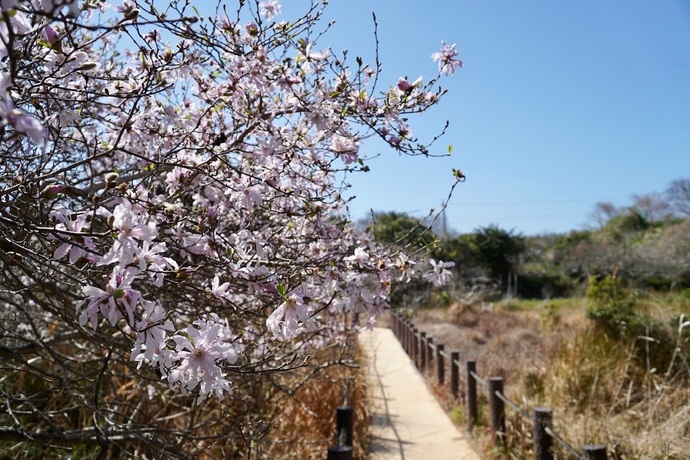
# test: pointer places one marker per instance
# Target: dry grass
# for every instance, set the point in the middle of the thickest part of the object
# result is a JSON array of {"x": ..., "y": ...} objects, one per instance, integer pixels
[
  {"x": 282, "y": 415},
  {"x": 601, "y": 390},
  {"x": 305, "y": 426}
]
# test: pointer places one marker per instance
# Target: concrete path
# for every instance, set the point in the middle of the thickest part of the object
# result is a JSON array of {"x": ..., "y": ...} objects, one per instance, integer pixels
[{"x": 407, "y": 421}]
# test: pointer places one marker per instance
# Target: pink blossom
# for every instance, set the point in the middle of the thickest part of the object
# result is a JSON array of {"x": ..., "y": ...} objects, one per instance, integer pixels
[
  {"x": 269, "y": 9},
  {"x": 289, "y": 318},
  {"x": 76, "y": 245},
  {"x": 447, "y": 59},
  {"x": 30, "y": 126},
  {"x": 218, "y": 290},
  {"x": 404, "y": 85},
  {"x": 360, "y": 257},
  {"x": 346, "y": 147},
  {"x": 198, "y": 353},
  {"x": 118, "y": 294},
  {"x": 439, "y": 275},
  {"x": 405, "y": 265},
  {"x": 50, "y": 34},
  {"x": 151, "y": 333}
]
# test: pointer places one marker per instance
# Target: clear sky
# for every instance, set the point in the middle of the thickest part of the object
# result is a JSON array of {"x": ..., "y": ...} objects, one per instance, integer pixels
[{"x": 560, "y": 105}]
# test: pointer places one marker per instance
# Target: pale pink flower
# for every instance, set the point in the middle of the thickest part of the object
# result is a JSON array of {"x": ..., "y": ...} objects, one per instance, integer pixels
[
  {"x": 346, "y": 148},
  {"x": 269, "y": 9},
  {"x": 439, "y": 275},
  {"x": 117, "y": 294},
  {"x": 77, "y": 245},
  {"x": 405, "y": 265},
  {"x": 360, "y": 257},
  {"x": 219, "y": 290},
  {"x": 447, "y": 59},
  {"x": 287, "y": 320},
  {"x": 151, "y": 333},
  {"x": 199, "y": 351}
]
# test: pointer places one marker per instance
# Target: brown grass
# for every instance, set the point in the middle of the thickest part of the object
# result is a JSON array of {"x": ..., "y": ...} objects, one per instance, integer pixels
[
  {"x": 601, "y": 390},
  {"x": 305, "y": 427}
]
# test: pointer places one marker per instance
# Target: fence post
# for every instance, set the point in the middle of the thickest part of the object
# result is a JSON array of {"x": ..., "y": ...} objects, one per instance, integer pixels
[
  {"x": 430, "y": 353},
  {"x": 422, "y": 351},
  {"x": 594, "y": 452},
  {"x": 344, "y": 418},
  {"x": 454, "y": 374},
  {"x": 415, "y": 347},
  {"x": 471, "y": 396},
  {"x": 403, "y": 336},
  {"x": 440, "y": 364},
  {"x": 410, "y": 328},
  {"x": 543, "y": 442},
  {"x": 496, "y": 405},
  {"x": 340, "y": 453}
]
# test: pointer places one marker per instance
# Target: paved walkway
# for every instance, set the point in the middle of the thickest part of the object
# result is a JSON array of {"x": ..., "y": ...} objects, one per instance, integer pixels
[{"x": 407, "y": 421}]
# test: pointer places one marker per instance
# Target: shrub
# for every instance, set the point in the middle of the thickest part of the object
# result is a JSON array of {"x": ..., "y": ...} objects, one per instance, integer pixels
[{"x": 612, "y": 306}]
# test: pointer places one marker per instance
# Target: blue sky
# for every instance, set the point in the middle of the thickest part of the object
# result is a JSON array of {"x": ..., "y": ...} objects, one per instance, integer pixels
[{"x": 560, "y": 105}]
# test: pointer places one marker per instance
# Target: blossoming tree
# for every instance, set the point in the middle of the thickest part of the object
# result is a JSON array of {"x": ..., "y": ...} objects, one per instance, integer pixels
[{"x": 171, "y": 228}]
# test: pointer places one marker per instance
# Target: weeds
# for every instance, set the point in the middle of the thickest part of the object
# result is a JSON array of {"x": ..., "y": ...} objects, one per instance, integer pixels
[{"x": 626, "y": 390}]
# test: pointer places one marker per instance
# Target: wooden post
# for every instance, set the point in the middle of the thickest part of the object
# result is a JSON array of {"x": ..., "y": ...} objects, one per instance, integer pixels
[
  {"x": 496, "y": 405},
  {"x": 594, "y": 452},
  {"x": 430, "y": 353},
  {"x": 415, "y": 347},
  {"x": 405, "y": 337},
  {"x": 344, "y": 418},
  {"x": 410, "y": 337},
  {"x": 471, "y": 396},
  {"x": 340, "y": 453},
  {"x": 543, "y": 442},
  {"x": 440, "y": 364},
  {"x": 422, "y": 351},
  {"x": 454, "y": 374}
]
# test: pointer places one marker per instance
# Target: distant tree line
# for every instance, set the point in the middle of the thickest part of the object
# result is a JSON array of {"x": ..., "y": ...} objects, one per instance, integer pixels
[{"x": 647, "y": 244}]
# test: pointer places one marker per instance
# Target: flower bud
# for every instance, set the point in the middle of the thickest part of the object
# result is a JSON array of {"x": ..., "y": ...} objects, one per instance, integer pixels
[
  {"x": 52, "y": 191},
  {"x": 404, "y": 85}
]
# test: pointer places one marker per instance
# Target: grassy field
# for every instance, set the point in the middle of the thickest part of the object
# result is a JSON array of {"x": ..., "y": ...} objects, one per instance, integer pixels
[{"x": 628, "y": 391}]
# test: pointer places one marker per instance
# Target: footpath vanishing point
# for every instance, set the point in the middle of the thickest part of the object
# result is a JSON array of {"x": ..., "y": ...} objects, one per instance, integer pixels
[{"x": 406, "y": 420}]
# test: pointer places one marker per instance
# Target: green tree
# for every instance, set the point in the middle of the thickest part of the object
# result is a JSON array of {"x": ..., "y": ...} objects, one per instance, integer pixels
[
  {"x": 400, "y": 229},
  {"x": 498, "y": 252}
]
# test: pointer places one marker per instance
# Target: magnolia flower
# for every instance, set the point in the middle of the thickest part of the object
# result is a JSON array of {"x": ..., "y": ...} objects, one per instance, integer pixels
[
  {"x": 405, "y": 86},
  {"x": 151, "y": 333},
  {"x": 25, "y": 123},
  {"x": 405, "y": 265},
  {"x": 447, "y": 59},
  {"x": 286, "y": 321},
  {"x": 345, "y": 147},
  {"x": 360, "y": 257},
  {"x": 269, "y": 9},
  {"x": 117, "y": 294},
  {"x": 77, "y": 245},
  {"x": 439, "y": 276},
  {"x": 198, "y": 351},
  {"x": 218, "y": 290}
]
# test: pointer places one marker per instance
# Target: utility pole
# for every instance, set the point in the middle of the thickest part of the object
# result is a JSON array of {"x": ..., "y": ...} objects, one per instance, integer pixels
[{"x": 443, "y": 219}]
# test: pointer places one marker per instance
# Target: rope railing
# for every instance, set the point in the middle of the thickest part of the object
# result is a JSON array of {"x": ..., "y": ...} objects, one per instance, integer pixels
[
  {"x": 563, "y": 443},
  {"x": 480, "y": 380},
  {"x": 431, "y": 357},
  {"x": 514, "y": 406}
]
